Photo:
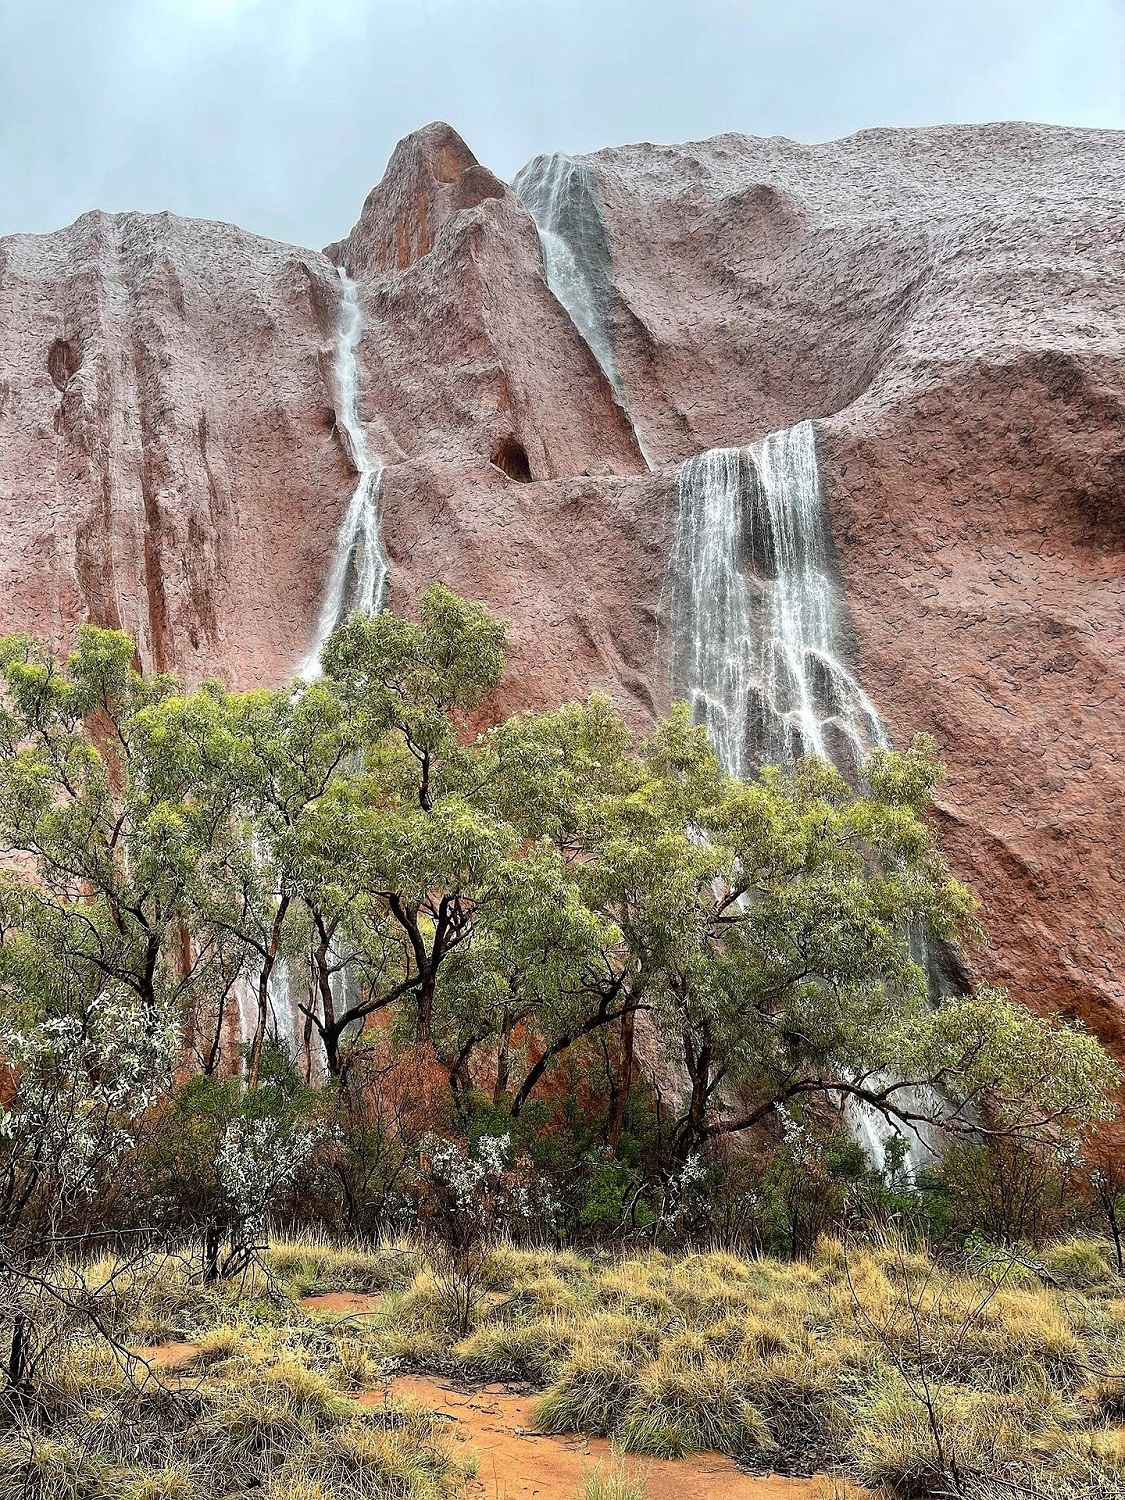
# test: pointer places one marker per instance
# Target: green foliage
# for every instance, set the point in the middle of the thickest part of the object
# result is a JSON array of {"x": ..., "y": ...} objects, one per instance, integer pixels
[{"x": 607, "y": 952}]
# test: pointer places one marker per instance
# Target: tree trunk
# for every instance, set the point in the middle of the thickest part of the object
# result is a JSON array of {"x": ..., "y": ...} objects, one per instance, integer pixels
[
  {"x": 624, "y": 1082},
  {"x": 692, "y": 1131},
  {"x": 212, "y": 1243},
  {"x": 503, "y": 1060},
  {"x": 254, "y": 1067},
  {"x": 17, "y": 1354},
  {"x": 329, "y": 1032}
]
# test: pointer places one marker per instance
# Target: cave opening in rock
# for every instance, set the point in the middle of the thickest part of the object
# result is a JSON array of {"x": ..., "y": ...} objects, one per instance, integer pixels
[
  {"x": 510, "y": 457},
  {"x": 63, "y": 361}
]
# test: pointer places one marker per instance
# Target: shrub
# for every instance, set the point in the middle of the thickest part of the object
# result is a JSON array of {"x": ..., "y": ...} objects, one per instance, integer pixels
[
  {"x": 614, "y": 1481},
  {"x": 1077, "y": 1262}
]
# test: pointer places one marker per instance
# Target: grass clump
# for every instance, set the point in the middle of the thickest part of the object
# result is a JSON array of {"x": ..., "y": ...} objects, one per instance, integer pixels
[
  {"x": 615, "y": 1480},
  {"x": 308, "y": 1266},
  {"x": 883, "y": 1364},
  {"x": 1079, "y": 1263},
  {"x": 527, "y": 1352},
  {"x": 261, "y": 1418},
  {"x": 687, "y": 1402}
]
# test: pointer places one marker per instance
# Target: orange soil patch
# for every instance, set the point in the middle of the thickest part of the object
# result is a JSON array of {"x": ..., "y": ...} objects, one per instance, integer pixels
[
  {"x": 516, "y": 1461},
  {"x": 351, "y": 1304},
  {"x": 169, "y": 1356}
]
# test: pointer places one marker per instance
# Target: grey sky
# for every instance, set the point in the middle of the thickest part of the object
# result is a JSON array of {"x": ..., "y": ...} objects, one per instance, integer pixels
[{"x": 280, "y": 114}]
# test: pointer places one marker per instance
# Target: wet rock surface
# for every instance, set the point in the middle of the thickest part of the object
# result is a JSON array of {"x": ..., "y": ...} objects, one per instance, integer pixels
[{"x": 948, "y": 305}]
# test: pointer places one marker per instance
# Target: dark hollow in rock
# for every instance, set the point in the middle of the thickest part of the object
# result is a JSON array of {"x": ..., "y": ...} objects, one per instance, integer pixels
[
  {"x": 63, "y": 361},
  {"x": 510, "y": 457}
]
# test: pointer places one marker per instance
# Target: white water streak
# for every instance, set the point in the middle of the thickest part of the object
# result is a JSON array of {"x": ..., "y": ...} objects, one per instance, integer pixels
[
  {"x": 757, "y": 619},
  {"x": 357, "y": 580},
  {"x": 562, "y": 196},
  {"x": 756, "y": 610}
]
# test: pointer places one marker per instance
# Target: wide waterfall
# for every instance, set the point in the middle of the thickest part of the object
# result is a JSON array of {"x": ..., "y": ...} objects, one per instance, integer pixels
[
  {"x": 562, "y": 196},
  {"x": 357, "y": 579},
  {"x": 757, "y": 622},
  {"x": 757, "y": 616}
]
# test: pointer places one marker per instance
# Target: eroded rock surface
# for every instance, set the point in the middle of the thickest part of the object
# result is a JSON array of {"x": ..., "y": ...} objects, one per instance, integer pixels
[
  {"x": 952, "y": 302},
  {"x": 949, "y": 305},
  {"x": 168, "y": 456}
]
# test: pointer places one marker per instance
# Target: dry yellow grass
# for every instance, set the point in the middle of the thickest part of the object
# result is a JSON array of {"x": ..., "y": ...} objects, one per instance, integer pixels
[{"x": 880, "y": 1363}]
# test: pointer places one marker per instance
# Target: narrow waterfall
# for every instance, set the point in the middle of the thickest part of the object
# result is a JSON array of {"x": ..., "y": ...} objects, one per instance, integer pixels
[
  {"x": 358, "y": 577},
  {"x": 562, "y": 196},
  {"x": 756, "y": 614},
  {"x": 357, "y": 581},
  {"x": 757, "y": 621}
]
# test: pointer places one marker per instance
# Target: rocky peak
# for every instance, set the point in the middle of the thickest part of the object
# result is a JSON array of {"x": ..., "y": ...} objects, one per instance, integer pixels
[{"x": 431, "y": 176}]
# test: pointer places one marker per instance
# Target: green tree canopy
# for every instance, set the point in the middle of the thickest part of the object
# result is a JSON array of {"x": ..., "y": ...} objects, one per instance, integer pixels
[{"x": 500, "y": 898}]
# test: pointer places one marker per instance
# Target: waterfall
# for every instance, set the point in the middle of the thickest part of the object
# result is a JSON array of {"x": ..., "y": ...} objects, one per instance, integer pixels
[
  {"x": 286, "y": 1016},
  {"x": 562, "y": 196},
  {"x": 357, "y": 582},
  {"x": 757, "y": 615},
  {"x": 757, "y": 625},
  {"x": 358, "y": 577}
]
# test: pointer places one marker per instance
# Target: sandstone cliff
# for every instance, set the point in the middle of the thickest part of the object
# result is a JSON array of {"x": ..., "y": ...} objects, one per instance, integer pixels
[{"x": 949, "y": 304}]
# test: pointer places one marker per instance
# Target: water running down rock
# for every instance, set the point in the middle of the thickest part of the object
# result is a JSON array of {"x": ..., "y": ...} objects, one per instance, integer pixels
[
  {"x": 357, "y": 580},
  {"x": 756, "y": 625},
  {"x": 562, "y": 196},
  {"x": 756, "y": 614}
]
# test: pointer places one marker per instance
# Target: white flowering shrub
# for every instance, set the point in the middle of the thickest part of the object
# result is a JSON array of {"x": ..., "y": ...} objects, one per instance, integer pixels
[
  {"x": 258, "y": 1156},
  {"x": 79, "y": 1087},
  {"x": 468, "y": 1195}
]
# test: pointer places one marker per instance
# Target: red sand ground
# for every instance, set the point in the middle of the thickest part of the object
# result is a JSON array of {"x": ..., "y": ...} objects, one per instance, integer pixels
[{"x": 517, "y": 1461}]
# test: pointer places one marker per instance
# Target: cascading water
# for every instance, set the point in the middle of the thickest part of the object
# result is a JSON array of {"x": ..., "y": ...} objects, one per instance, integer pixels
[
  {"x": 757, "y": 621},
  {"x": 358, "y": 577},
  {"x": 356, "y": 583},
  {"x": 756, "y": 612},
  {"x": 286, "y": 1016},
  {"x": 562, "y": 196}
]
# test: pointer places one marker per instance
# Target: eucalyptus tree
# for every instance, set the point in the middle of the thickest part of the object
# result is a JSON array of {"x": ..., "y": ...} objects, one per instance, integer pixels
[
  {"x": 100, "y": 859},
  {"x": 768, "y": 921},
  {"x": 106, "y": 827},
  {"x": 464, "y": 855},
  {"x": 552, "y": 879},
  {"x": 498, "y": 897},
  {"x": 272, "y": 760}
]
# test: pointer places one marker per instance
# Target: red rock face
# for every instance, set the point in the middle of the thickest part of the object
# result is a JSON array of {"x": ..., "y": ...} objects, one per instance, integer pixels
[
  {"x": 168, "y": 456},
  {"x": 466, "y": 356},
  {"x": 953, "y": 303},
  {"x": 982, "y": 545},
  {"x": 950, "y": 305}
]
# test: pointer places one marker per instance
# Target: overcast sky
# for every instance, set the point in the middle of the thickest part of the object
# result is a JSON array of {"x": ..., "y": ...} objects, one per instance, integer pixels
[{"x": 280, "y": 114}]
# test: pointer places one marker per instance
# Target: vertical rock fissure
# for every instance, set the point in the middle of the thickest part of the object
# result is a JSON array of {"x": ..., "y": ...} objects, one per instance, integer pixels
[{"x": 153, "y": 544}]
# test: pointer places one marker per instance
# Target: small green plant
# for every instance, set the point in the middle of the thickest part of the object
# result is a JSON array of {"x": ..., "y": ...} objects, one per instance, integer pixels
[{"x": 1078, "y": 1263}]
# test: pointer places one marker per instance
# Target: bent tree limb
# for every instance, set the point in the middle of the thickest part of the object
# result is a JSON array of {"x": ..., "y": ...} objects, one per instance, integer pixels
[
  {"x": 887, "y": 1102},
  {"x": 605, "y": 1014}
]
